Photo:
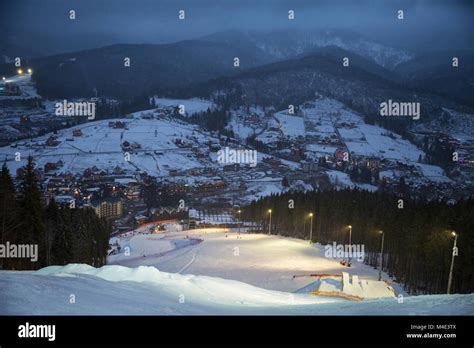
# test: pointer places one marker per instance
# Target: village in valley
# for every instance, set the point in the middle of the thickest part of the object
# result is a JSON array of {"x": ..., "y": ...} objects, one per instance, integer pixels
[{"x": 320, "y": 144}]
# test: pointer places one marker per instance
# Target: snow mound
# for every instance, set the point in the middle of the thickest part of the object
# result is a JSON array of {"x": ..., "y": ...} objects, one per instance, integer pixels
[
  {"x": 220, "y": 290},
  {"x": 363, "y": 288},
  {"x": 119, "y": 290}
]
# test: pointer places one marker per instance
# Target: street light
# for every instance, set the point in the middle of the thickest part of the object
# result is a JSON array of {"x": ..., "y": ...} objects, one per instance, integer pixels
[
  {"x": 381, "y": 255},
  {"x": 350, "y": 244},
  {"x": 30, "y": 71},
  {"x": 311, "y": 229},
  {"x": 239, "y": 219},
  {"x": 450, "y": 278},
  {"x": 20, "y": 71},
  {"x": 270, "y": 224}
]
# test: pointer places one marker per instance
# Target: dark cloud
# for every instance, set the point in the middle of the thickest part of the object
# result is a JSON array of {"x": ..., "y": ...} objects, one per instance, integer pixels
[{"x": 45, "y": 26}]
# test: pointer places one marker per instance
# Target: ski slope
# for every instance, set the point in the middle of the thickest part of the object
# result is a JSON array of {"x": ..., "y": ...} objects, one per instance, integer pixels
[
  {"x": 212, "y": 271},
  {"x": 118, "y": 290},
  {"x": 258, "y": 259}
]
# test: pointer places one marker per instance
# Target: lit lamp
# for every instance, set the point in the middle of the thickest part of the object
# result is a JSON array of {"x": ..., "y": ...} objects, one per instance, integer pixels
[
  {"x": 270, "y": 223},
  {"x": 381, "y": 255},
  {"x": 450, "y": 278},
  {"x": 350, "y": 244},
  {"x": 311, "y": 228},
  {"x": 240, "y": 211}
]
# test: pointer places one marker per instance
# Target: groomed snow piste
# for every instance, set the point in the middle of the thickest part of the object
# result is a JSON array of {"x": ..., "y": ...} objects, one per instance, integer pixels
[
  {"x": 144, "y": 290},
  {"x": 227, "y": 273}
]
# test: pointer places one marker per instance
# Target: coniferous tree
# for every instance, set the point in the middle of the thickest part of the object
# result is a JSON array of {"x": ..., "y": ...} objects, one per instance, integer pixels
[
  {"x": 417, "y": 247},
  {"x": 62, "y": 243},
  {"x": 63, "y": 235},
  {"x": 51, "y": 215},
  {"x": 31, "y": 229},
  {"x": 8, "y": 211}
]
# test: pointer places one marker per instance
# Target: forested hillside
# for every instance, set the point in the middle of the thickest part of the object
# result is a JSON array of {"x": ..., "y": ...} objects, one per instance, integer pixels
[
  {"x": 63, "y": 235},
  {"x": 418, "y": 240}
]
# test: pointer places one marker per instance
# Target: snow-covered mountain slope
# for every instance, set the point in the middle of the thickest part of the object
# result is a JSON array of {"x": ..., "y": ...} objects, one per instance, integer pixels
[
  {"x": 385, "y": 56},
  {"x": 258, "y": 259},
  {"x": 145, "y": 290},
  {"x": 227, "y": 273},
  {"x": 152, "y": 141},
  {"x": 286, "y": 44}
]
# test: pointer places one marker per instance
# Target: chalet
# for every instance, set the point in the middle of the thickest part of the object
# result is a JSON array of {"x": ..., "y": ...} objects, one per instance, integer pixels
[
  {"x": 118, "y": 170},
  {"x": 297, "y": 153},
  {"x": 372, "y": 162},
  {"x": 340, "y": 154},
  {"x": 272, "y": 161},
  {"x": 136, "y": 146},
  {"x": 214, "y": 147},
  {"x": 52, "y": 141},
  {"x": 117, "y": 125},
  {"x": 180, "y": 143},
  {"x": 231, "y": 167},
  {"x": 212, "y": 185},
  {"x": 140, "y": 219},
  {"x": 50, "y": 166},
  {"x": 64, "y": 200}
]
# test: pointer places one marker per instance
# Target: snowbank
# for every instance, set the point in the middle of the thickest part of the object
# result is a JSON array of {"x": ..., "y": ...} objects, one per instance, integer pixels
[{"x": 146, "y": 290}]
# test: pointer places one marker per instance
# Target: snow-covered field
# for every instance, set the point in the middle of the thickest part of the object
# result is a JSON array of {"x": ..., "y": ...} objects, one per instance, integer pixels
[
  {"x": 191, "y": 106},
  {"x": 329, "y": 117},
  {"x": 369, "y": 141},
  {"x": 433, "y": 173},
  {"x": 100, "y": 146},
  {"x": 224, "y": 273},
  {"x": 116, "y": 290},
  {"x": 292, "y": 126},
  {"x": 342, "y": 180}
]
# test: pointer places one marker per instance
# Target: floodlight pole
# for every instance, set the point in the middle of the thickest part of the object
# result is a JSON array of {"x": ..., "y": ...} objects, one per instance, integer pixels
[
  {"x": 381, "y": 256},
  {"x": 270, "y": 223},
  {"x": 450, "y": 278}
]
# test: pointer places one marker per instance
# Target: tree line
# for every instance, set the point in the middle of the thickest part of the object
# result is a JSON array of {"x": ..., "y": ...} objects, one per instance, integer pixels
[
  {"x": 418, "y": 241},
  {"x": 63, "y": 235}
]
